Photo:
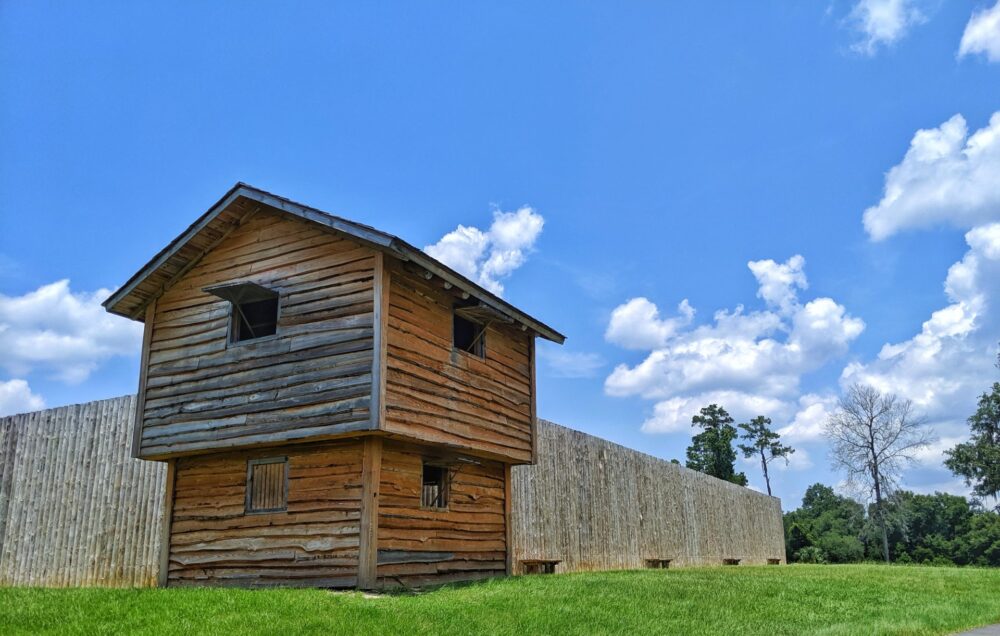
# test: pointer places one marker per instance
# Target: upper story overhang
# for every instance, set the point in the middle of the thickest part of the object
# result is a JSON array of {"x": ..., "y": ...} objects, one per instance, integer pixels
[{"x": 242, "y": 201}]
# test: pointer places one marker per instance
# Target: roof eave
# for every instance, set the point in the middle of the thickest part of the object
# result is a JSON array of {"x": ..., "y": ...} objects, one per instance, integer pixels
[{"x": 439, "y": 269}]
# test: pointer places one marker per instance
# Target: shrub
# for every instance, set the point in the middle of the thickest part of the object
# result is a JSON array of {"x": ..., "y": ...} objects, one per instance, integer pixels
[
  {"x": 810, "y": 554},
  {"x": 841, "y": 548}
]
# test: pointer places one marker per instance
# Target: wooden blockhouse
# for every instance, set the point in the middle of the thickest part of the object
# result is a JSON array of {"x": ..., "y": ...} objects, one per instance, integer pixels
[{"x": 335, "y": 407}]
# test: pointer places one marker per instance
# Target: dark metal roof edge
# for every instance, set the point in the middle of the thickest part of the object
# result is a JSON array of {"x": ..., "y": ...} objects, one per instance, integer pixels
[
  {"x": 364, "y": 233},
  {"x": 441, "y": 270}
]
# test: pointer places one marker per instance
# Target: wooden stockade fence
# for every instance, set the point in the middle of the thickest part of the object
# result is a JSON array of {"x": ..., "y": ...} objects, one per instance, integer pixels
[
  {"x": 77, "y": 510},
  {"x": 594, "y": 505}
]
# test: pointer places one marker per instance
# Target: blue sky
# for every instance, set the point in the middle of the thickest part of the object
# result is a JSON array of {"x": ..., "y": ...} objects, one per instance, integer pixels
[{"x": 665, "y": 147}]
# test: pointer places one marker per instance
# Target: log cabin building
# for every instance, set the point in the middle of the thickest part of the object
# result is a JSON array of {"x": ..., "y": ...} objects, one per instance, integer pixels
[{"x": 335, "y": 407}]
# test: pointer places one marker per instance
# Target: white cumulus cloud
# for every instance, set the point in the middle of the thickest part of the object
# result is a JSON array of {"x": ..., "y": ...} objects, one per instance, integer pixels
[
  {"x": 637, "y": 324},
  {"x": 563, "y": 363},
  {"x": 778, "y": 282},
  {"x": 982, "y": 34},
  {"x": 947, "y": 176},
  {"x": 809, "y": 422},
  {"x": 881, "y": 23},
  {"x": 749, "y": 362},
  {"x": 16, "y": 397},
  {"x": 65, "y": 334},
  {"x": 950, "y": 361},
  {"x": 798, "y": 461},
  {"x": 674, "y": 414},
  {"x": 489, "y": 256}
]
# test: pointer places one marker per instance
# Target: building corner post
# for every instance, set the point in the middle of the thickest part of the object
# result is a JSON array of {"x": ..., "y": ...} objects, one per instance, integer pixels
[
  {"x": 165, "y": 523},
  {"x": 508, "y": 548},
  {"x": 371, "y": 474}
]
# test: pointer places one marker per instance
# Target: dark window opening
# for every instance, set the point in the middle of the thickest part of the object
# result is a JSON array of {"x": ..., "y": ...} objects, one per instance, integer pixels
[
  {"x": 267, "y": 485},
  {"x": 254, "y": 310},
  {"x": 774, "y": 561},
  {"x": 469, "y": 336},
  {"x": 658, "y": 564},
  {"x": 730, "y": 562},
  {"x": 255, "y": 319},
  {"x": 539, "y": 566},
  {"x": 434, "y": 493}
]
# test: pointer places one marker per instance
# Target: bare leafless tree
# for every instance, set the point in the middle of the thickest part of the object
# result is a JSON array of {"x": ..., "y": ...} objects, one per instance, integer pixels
[{"x": 874, "y": 435}]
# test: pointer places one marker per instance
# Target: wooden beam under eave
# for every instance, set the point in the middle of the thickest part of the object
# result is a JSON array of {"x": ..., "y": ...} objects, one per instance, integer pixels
[
  {"x": 380, "y": 319},
  {"x": 534, "y": 408},
  {"x": 140, "y": 400},
  {"x": 191, "y": 263},
  {"x": 371, "y": 475}
]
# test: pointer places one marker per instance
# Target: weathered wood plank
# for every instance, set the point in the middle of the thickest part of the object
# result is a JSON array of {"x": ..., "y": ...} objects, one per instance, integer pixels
[
  {"x": 147, "y": 338},
  {"x": 371, "y": 478},
  {"x": 215, "y": 542},
  {"x": 165, "y": 523},
  {"x": 595, "y": 505},
  {"x": 420, "y": 544},
  {"x": 75, "y": 507},
  {"x": 436, "y": 394},
  {"x": 196, "y": 383}
]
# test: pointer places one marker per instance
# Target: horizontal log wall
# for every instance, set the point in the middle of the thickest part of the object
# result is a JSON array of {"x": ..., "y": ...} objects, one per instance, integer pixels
[
  {"x": 213, "y": 541},
  {"x": 75, "y": 508},
  {"x": 419, "y": 546},
  {"x": 439, "y": 395},
  {"x": 595, "y": 505},
  {"x": 312, "y": 379}
]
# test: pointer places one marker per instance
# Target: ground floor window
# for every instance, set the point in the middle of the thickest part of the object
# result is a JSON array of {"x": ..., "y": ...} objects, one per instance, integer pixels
[
  {"x": 434, "y": 493},
  {"x": 267, "y": 485}
]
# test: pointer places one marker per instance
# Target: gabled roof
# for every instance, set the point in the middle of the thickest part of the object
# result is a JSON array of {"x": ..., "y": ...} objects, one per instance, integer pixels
[{"x": 243, "y": 200}]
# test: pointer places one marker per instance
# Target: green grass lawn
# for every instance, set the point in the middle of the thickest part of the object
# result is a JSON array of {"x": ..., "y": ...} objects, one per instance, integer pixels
[{"x": 862, "y": 599}]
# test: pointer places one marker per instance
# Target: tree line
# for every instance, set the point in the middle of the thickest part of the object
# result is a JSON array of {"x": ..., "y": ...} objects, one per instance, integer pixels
[
  {"x": 873, "y": 435},
  {"x": 938, "y": 529}
]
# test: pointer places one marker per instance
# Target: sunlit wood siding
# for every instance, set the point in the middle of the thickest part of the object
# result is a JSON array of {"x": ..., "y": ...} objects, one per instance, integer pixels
[
  {"x": 440, "y": 395},
  {"x": 312, "y": 379},
  {"x": 314, "y": 543},
  {"x": 420, "y": 546},
  {"x": 594, "y": 505}
]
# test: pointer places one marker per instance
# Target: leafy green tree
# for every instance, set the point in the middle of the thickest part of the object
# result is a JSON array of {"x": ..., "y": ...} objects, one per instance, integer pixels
[
  {"x": 828, "y": 522},
  {"x": 711, "y": 451},
  {"x": 978, "y": 460},
  {"x": 928, "y": 529},
  {"x": 764, "y": 443},
  {"x": 796, "y": 538},
  {"x": 982, "y": 542},
  {"x": 938, "y": 529},
  {"x": 840, "y": 548}
]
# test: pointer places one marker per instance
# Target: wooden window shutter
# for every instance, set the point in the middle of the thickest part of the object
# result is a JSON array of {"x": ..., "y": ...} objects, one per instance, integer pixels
[
  {"x": 267, "y": 485},
  {"x": 434, "y": 493}
]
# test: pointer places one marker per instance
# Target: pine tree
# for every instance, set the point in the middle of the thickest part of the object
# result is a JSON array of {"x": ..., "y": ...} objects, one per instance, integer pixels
[
  {"x": 764, "y": 443},
  {"x": 711, "y": 451}
]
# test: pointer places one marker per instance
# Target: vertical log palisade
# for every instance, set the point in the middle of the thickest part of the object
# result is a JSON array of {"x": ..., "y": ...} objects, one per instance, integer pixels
[{"x": 320, "y": 362}]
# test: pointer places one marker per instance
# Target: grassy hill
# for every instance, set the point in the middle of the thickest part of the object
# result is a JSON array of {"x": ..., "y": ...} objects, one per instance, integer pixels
[{"x": 849, "y": 599}]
